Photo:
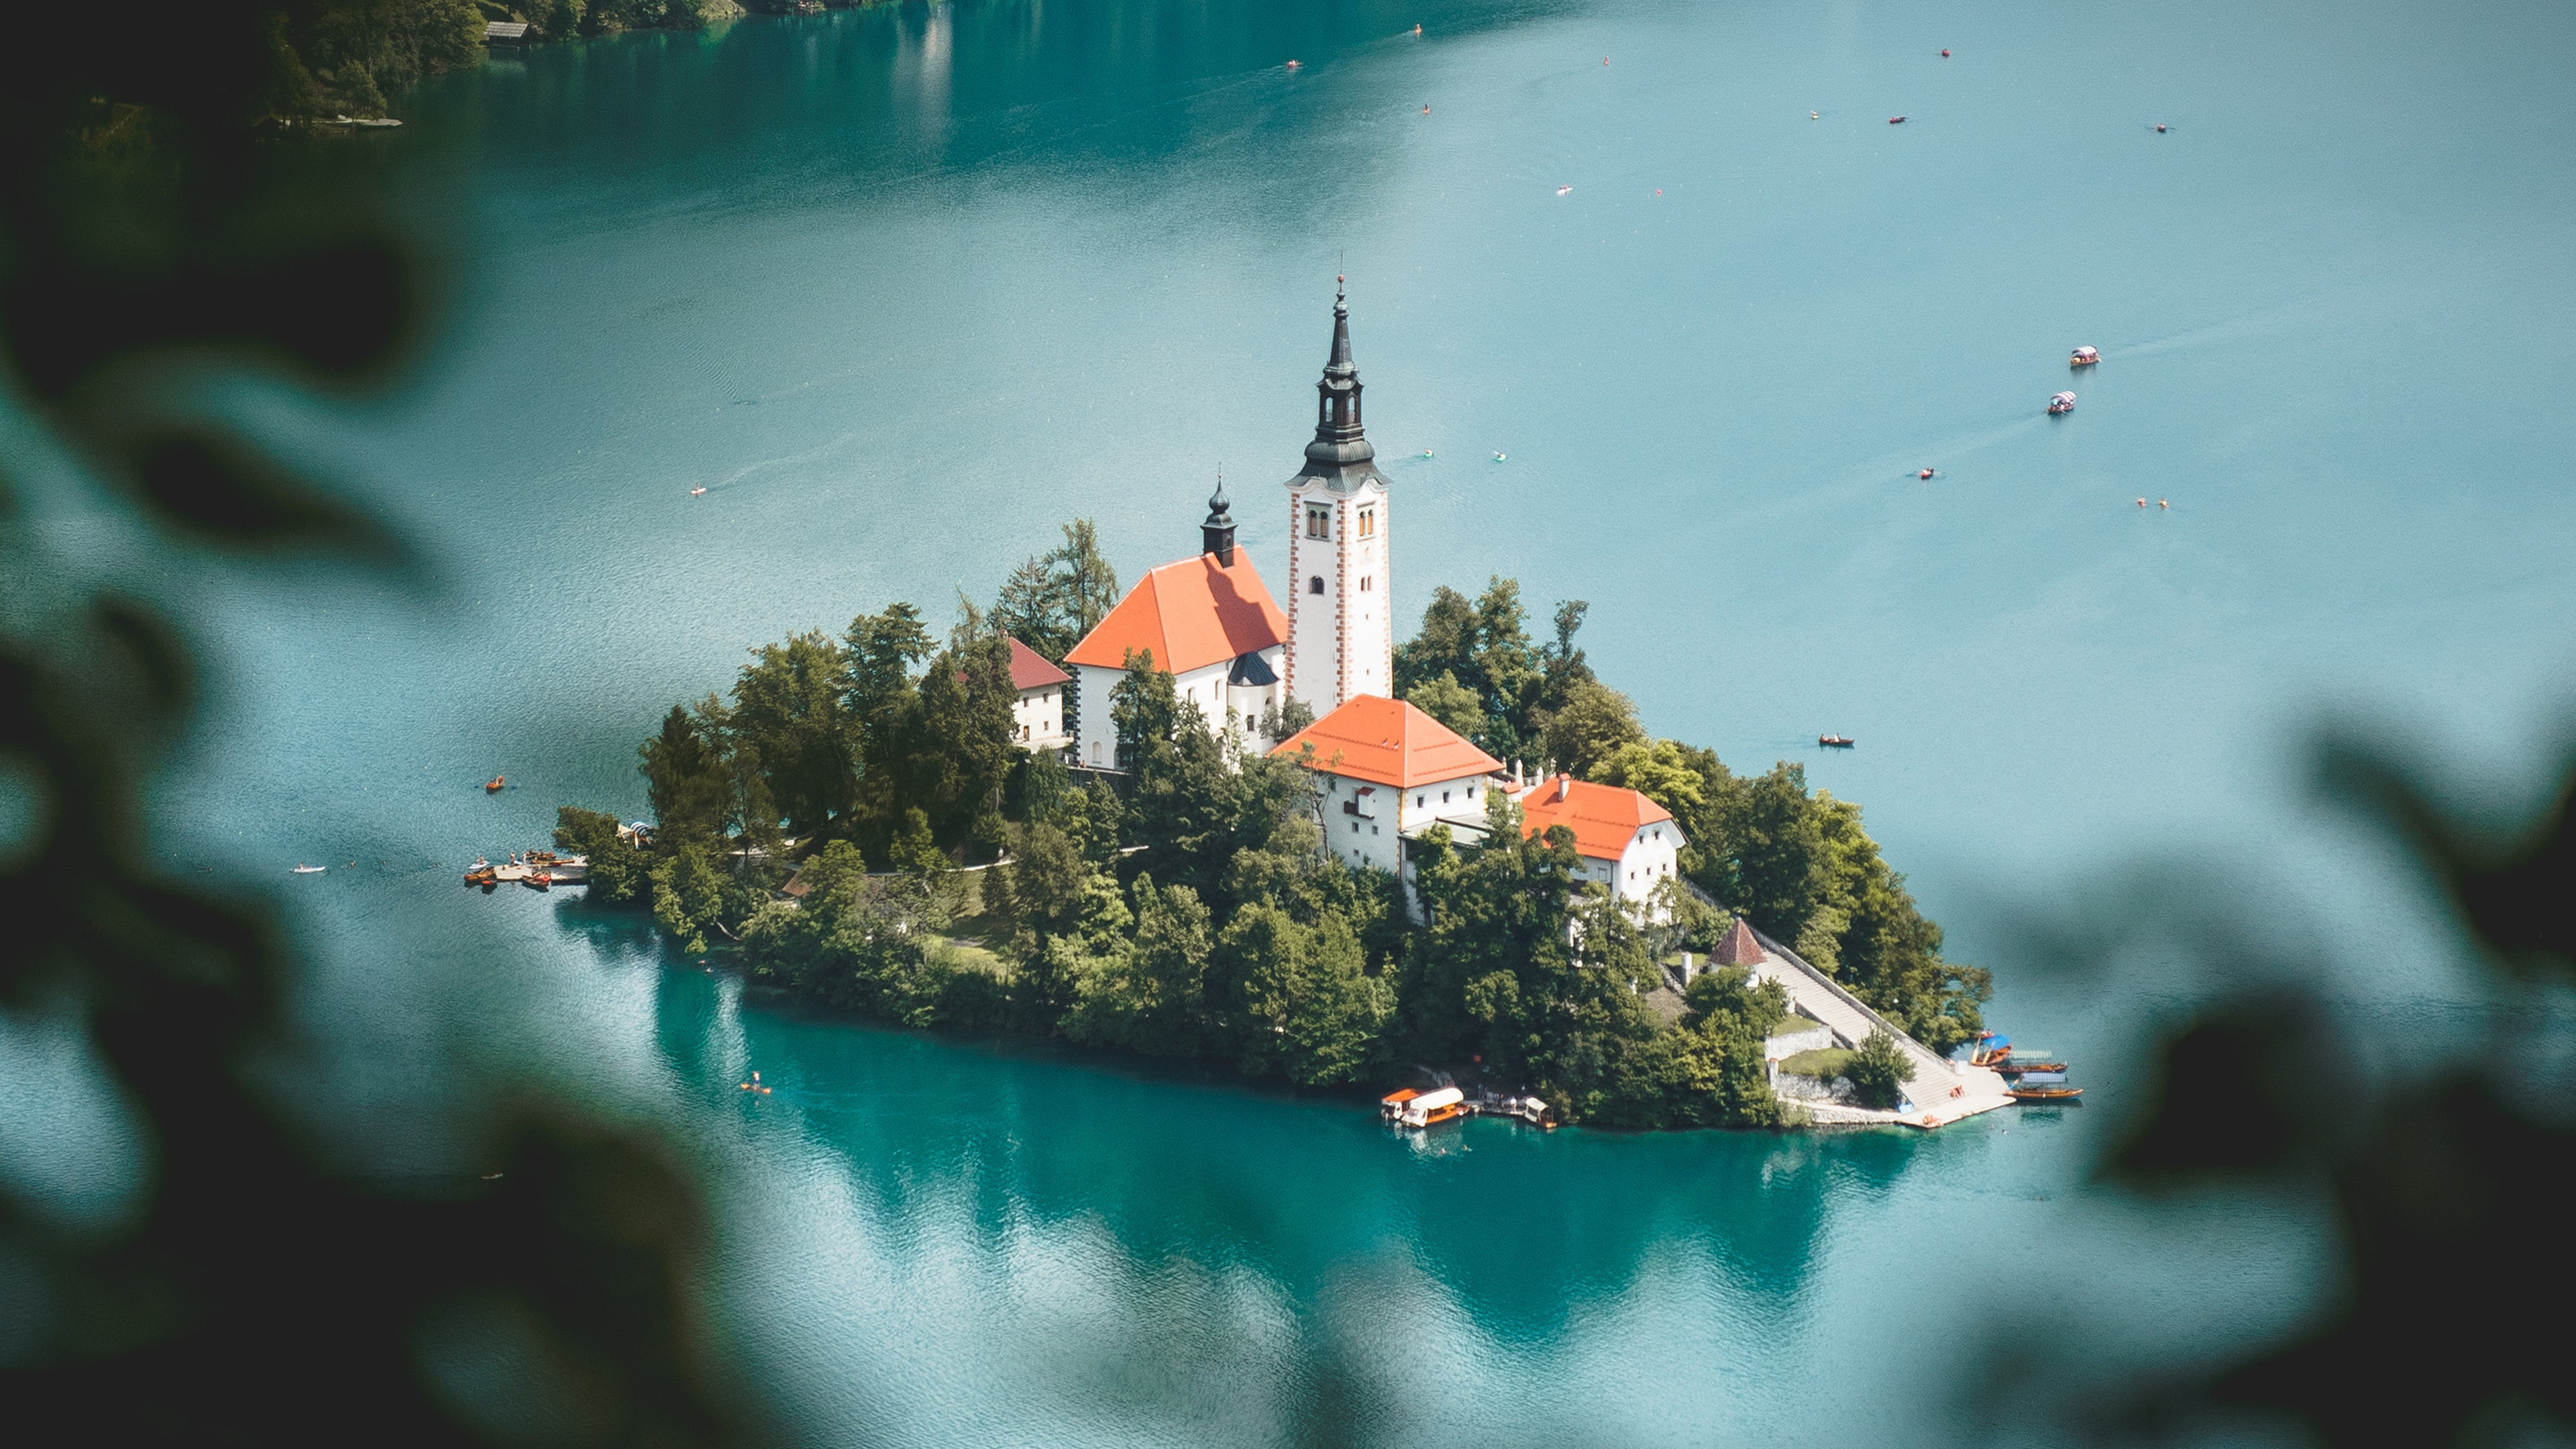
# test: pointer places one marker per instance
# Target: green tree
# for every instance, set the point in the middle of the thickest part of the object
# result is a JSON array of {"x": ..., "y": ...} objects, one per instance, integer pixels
[
  {"x": 1709, "y": 1069},
  {"x": 788, "y": 712},
  {"x": 1596, "y": 723},
  {"x": 1451, "y": 703},
  {"x": 1663, "y": 772},
  {"x": 692, "y": 896},
  {"x": 1149, "y": 998},
  {"x": 1046, "y": 882},
  {"x": 1780, "y": 868},
  {"x": 1055, "y": 598},
  {"x": 1295, "y": 1000},
  {"x": 1144, "y": 711},
  {"x": 1878, "y": 1071},
  {"x": 1483, "y": 645},
  {"x": 686, "y": 779}
]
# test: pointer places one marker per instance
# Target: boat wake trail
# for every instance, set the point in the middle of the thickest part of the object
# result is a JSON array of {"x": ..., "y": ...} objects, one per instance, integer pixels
[{"x": 819, "y": 451}]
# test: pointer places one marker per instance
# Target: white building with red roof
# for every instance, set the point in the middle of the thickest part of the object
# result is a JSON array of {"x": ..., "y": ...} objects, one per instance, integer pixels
[
  {"x": 1038, "y": 715},
  {"x": 1208, "y": 622},
  {"x": 1626, "y": 841},
  {"x": 1388, "y": 769}
]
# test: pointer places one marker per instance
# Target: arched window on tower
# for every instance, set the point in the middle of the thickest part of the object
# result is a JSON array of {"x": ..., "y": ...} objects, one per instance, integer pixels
[{"x": 1315, "y": 585}]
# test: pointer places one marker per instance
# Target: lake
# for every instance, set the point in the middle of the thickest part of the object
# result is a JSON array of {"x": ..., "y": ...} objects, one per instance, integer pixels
[{"x": 1657, "y": 310}]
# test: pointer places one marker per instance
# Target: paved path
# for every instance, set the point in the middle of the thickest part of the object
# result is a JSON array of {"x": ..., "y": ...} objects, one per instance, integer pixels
[{"x": 1935, "y": 1078}]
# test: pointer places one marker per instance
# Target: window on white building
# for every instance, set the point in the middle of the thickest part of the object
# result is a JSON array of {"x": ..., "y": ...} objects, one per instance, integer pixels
[
  {"x": 1315, "y": 585},
  {"x": 1319, "y": 523},
  {"x": 1368, "y": 523}
]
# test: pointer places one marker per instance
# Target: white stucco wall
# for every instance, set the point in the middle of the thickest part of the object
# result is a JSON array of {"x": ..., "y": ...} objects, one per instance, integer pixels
[
  {"x": 1374, "y": 836},
  {"x": 1038, "y": 717},
  {"x": 1343, "y": 639},
  {"x": 1205, "y": 687}
]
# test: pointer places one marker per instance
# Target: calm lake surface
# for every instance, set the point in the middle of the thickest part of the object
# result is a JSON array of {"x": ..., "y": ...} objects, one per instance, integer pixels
[{"x": 906, "y": 289}]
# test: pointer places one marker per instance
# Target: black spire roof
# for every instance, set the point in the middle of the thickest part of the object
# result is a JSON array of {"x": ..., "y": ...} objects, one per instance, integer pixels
[
  {"x": 1216, "y": 535},
  {"x": 1340, "y": 455}
]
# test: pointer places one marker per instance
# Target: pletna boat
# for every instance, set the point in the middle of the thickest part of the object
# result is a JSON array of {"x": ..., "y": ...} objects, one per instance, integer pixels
[
  {"x": 2084, "y": 357},
  {"x": 2063, "y": 402},
  {"x": 2038, "y": 1096},
  {"x": 1430, "y": 1109},
  {"x": 1836, "y": 742}
]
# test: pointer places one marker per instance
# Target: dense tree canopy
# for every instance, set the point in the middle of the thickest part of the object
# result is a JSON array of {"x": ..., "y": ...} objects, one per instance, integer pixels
[{"x": 1191, "y": 910}]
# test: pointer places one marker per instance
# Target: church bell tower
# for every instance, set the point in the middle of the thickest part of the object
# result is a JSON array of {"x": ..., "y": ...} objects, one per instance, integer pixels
[{"x": 1341, "y": 636}]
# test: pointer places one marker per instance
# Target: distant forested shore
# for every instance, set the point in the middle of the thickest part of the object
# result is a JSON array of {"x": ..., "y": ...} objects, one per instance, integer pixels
[
  {"x": 329, "y": 58},
  {"x": 855, "y": 822}
]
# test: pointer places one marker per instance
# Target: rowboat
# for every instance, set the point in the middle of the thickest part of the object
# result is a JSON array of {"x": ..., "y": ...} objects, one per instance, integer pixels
[
  {"x": 2040, "y": 1096},
  {"x": 493, "y": 785},
  {"x": 1836, "y": 742}
]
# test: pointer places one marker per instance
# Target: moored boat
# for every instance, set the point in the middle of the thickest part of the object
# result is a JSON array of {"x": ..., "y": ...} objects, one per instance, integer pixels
[
  {"x": 537, "y": 880},
  {"x": 1430, "y": 1109},
  {"x": 2035, "y": 1096}
]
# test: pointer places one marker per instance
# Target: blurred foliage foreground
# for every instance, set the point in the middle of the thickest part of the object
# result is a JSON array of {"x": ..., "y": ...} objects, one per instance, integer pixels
[{"x": 266, "y": 1290}]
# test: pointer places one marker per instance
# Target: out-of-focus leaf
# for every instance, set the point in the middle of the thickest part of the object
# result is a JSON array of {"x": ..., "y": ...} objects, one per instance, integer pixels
[{"x": 216, "y": 487}]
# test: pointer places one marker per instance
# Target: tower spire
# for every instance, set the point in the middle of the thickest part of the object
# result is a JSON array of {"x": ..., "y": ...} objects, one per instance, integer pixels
[
  {"x": 1340, "y": 446},
  {"x": 1216, "y": 535}
]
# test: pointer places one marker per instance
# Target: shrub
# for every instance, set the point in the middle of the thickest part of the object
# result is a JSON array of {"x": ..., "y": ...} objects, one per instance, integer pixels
[{"x": 1878, "y": 1071}]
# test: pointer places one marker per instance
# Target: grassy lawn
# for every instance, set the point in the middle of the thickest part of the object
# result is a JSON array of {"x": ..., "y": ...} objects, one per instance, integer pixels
[{"x": 1824, "y": 1063}]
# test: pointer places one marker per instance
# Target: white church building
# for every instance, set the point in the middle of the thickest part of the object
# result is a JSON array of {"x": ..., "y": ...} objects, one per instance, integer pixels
[
  {"x": 1210, "y": 621},
  {"x": 1388, "y": 770}
]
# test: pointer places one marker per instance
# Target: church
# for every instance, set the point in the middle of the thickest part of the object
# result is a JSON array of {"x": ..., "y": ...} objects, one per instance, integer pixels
[
  {"x": 1387, "y": 771},
  {"x": 1210, "y": 621}
]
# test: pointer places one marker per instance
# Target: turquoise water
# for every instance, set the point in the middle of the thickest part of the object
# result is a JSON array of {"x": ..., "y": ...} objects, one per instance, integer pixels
[{"x": 904, "y": 289}]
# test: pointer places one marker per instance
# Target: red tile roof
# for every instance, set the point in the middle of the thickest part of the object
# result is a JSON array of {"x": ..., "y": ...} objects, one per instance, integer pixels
[
  {"x": 1604, "y": 818},
  {"x": 1029, "y": 669},
  {"x": 1389, "y": 742},
  {"x": 1191, "y": 614},
  {"x": 1739, "y": 948}
]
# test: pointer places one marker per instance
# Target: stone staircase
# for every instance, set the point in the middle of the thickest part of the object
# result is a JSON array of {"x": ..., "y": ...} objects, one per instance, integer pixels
[{"x": 1942, "y": 1091}]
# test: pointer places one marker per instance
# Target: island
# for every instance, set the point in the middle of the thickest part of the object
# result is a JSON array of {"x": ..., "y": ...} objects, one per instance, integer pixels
[{"x": 1179, "y": 820}]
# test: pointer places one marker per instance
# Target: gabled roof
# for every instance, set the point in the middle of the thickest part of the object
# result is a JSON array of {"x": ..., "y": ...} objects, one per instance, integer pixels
[
  {"x": 1029, "y": 669},
  {"x": 1191, "y": 614},
  {"x": 1388, "y": 742},
  {"x": 1604, "y": 818},
  {"x": 1739, "y": 948}
]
